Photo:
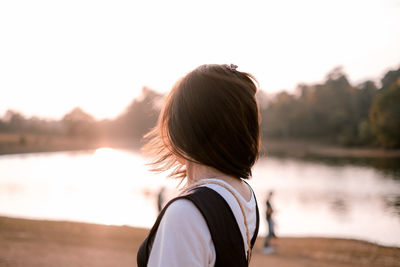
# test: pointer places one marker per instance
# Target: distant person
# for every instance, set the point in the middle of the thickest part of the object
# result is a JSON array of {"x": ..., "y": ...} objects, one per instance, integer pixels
[
  {"x": 160, "y": 199},
  {"x": 271, "y": 225},
  {"x": 207, "y": 134}
]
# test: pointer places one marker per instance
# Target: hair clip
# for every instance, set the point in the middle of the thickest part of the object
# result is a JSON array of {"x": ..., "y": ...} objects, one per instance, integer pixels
[{"x": 231, "y": 67}]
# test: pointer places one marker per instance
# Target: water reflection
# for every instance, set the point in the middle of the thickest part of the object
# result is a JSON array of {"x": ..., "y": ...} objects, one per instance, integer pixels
[
  {"x": 311, "y": 197},
  {"x": 389, "y": 167},
  {"x": 392, "y": 204},
  {"x": 315, "y": 199},
  {"x": 339, "y": 207}
]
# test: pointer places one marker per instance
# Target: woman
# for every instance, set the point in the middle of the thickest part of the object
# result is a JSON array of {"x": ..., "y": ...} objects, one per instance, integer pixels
[{"x": 208, "y": 133}]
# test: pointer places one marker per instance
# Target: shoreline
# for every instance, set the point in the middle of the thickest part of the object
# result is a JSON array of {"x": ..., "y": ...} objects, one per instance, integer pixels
[
  {"x": 304, "y": 149},
  {"x": 22, "y": 144},
  {"x": 11, "y": 144},
  {"x": 26, "y": 242}
]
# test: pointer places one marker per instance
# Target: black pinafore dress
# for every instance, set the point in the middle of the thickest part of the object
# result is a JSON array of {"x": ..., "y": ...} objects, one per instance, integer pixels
[{"x": 224, "y": 230}]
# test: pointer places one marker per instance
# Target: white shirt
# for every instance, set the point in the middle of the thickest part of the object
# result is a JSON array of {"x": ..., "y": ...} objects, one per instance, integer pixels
[{"x": 183, "y": 237}]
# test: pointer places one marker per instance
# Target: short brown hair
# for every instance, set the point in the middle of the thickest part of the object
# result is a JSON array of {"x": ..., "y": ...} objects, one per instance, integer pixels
[{"x": 210, "y": 117}]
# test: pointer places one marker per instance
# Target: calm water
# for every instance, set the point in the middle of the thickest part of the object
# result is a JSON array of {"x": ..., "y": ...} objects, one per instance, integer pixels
[{"x": 312, "y": 198}]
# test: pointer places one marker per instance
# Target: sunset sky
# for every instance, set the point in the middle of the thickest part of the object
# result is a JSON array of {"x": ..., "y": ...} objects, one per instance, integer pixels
[{"x": 56, "y": 55}]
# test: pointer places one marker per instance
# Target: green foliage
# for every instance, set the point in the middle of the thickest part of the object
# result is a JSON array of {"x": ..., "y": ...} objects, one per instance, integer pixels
[
  {"x": 281, "y": 126},
  {"x": 365, "y": 133},
  {"x": 332, "y": 111},
  {"x": 385, "y": 114}
]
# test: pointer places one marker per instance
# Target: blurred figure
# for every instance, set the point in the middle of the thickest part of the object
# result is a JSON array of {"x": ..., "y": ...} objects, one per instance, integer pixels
[
  {"x": 268, "y": 249},
  {"x": 160, "y": 199}
]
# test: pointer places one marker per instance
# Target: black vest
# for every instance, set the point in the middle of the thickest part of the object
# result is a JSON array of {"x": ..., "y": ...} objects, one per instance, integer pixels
[{"x": 224, "y": 230}]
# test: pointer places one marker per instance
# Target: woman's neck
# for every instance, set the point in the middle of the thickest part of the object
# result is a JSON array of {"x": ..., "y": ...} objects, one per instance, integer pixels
[{"x": 196, "y": 172}]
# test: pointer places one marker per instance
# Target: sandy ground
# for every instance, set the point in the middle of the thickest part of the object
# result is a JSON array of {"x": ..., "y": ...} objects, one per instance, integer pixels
[{"x": 47, "y": 243}]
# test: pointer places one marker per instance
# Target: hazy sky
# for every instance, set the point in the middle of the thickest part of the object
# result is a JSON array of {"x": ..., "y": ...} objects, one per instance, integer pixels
[{"x": 55, "y": 55}]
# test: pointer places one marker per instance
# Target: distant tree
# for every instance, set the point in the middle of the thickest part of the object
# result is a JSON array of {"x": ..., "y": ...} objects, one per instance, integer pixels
[
  {"x": 277, "y": 117},
  {"x": 390, "y": 78},
  {"x": 3, "y": 126},
  {"x": 366, "y": 94},
  {"x": 333, "y": 111},
  {"x": 140, "y": 116},
  {"x": 15, "y": 121},
  {"x": 385, "y": 112},
  {"x": 78, "y": 123}
]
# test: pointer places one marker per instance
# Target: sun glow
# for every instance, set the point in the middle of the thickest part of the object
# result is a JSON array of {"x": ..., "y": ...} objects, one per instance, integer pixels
[{"x": 99, "y": 54}]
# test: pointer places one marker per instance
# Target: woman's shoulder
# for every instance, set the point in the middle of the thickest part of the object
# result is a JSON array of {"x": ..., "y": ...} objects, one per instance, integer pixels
[
  {"x": 180, "y": 207},
  {"x": 187, "y": 205},
  {"x": 182, "y": 238},
  {"x": 182, "y": 215}
]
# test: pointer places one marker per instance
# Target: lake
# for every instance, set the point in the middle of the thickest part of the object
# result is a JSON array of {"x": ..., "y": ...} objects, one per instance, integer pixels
[{"x": 313, "y": 197}]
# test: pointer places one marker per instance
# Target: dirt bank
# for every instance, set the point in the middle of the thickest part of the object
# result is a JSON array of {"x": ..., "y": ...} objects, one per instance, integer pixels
[{"x": 47, "y": 243}]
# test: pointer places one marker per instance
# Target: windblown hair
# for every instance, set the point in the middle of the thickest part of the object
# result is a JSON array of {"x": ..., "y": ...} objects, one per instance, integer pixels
[{"x": 210, "y": 117}]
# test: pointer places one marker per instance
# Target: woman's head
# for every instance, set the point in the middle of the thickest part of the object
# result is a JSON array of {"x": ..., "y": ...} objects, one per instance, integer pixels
[{"x": 210, "y": 117}]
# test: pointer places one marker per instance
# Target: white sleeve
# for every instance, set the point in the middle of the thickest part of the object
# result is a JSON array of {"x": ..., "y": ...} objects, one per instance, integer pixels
[{"x": 182, "y": 239}]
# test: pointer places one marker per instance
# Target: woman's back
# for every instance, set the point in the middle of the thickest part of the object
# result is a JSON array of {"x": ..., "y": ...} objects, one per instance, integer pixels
[{"x": 184, "y": 235}]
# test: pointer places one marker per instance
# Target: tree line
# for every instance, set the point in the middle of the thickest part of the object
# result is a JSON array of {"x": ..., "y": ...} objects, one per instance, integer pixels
[
  {"x": 338, "y": 112},
  {"x": 334, "y": 112}
]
